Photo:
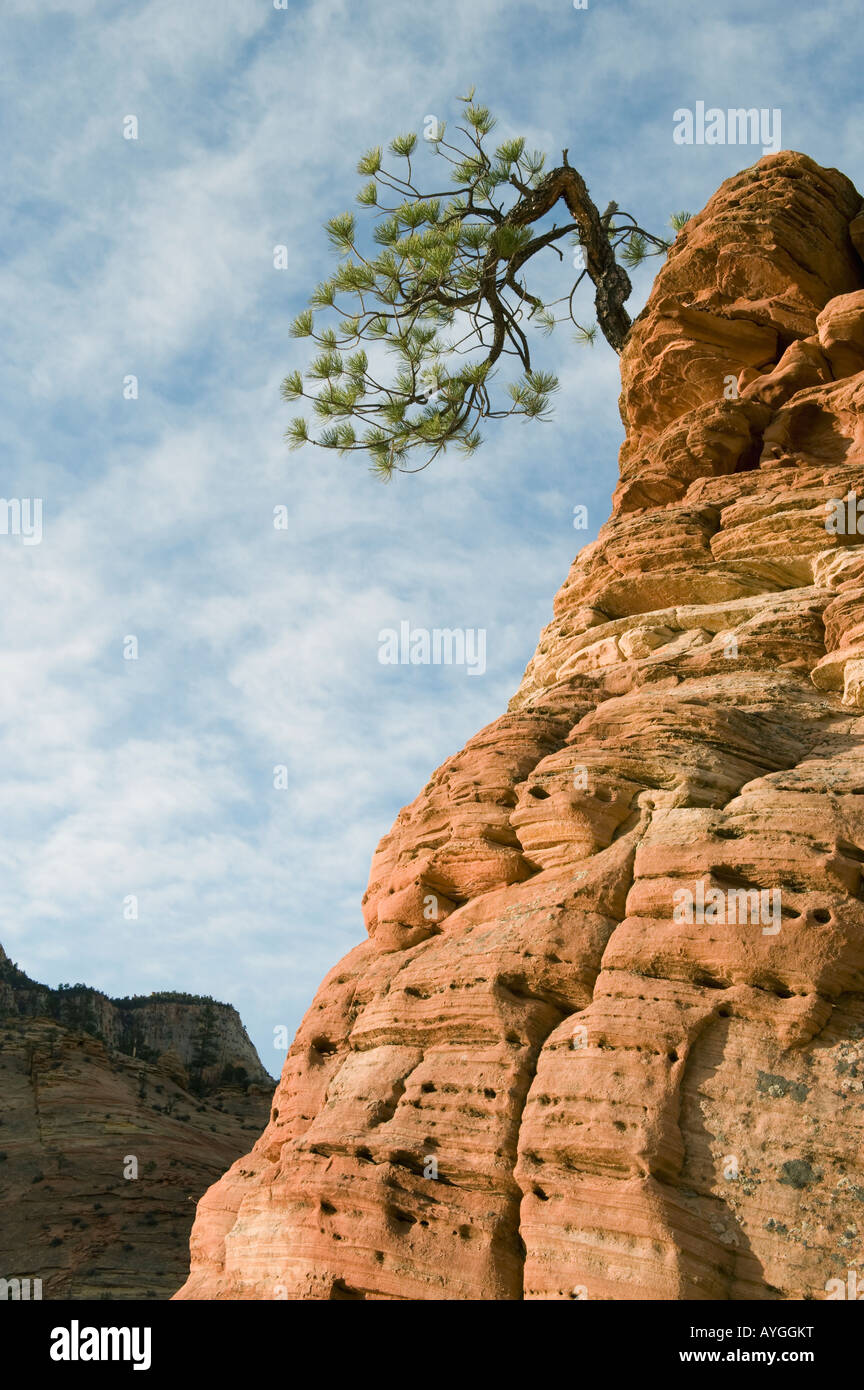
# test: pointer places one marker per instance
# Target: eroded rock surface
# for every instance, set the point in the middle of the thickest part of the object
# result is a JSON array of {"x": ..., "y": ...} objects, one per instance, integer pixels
[{"x": 538, "y": 1078}]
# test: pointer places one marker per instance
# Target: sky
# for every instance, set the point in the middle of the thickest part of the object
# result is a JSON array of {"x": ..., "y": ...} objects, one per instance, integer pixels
[{"x": 145, "y": 782}]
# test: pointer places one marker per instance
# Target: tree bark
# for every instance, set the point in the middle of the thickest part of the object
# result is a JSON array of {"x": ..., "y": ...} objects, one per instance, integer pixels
[{"x": 611, "y": 281}]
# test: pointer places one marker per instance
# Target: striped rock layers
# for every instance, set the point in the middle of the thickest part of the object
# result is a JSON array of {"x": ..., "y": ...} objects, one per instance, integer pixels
[{"x": 550, "y": 1072}]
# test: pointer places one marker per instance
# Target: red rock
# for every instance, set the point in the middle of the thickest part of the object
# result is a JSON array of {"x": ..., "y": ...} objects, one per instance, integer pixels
[
  {"x": 555, "y": 1086},
  {"x": 105, "y": 1143}
]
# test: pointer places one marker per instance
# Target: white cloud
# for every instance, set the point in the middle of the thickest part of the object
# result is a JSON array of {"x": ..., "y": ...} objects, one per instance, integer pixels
[{"x": 258, "y": 647}]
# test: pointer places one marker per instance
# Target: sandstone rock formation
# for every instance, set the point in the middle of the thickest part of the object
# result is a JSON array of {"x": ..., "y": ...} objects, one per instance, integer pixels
[
  {"x": 543, "y": 1076},
  {"x": 76, "y": 1106}
]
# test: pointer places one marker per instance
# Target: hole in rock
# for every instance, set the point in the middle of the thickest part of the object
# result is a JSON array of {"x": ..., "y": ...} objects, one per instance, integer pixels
[
  {"x": 343, "y": 1293},
  {"x": 728, "y": 877},
  {"x": 773, "y": 986},
  {"x": 822, "y": 915},
  {"x": 540, "y": 793},
  {"x": 403, "y": 1159},
  {"x": 515, "y": 985},
  {"x": 539, "y": 1193},
  {"x": 402, "y": 1220},
  {"x": 749, "y": 460}
]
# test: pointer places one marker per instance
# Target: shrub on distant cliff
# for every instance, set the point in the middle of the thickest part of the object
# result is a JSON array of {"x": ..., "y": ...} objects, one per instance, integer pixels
[
  {"x": 161, "y": 996},
  {"x": 204, "y": 1049}
]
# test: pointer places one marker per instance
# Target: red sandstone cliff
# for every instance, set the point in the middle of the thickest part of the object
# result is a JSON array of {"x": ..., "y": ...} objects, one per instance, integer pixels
[{"x": 618, "y": 1104}]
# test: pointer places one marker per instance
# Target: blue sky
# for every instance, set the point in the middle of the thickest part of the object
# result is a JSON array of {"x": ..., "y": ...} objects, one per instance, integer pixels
[{"x": 258, "y": 647}]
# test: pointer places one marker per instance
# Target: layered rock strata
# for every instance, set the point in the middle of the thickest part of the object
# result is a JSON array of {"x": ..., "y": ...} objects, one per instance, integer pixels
[
  {"x": 107, "y": 1141},
  {"x": 606, "y": 1037}
]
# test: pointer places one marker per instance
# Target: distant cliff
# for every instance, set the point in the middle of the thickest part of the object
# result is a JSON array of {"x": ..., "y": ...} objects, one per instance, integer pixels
[
  {"x": 207, "y": 1038},
  {"x": 115, "y": 1115}
]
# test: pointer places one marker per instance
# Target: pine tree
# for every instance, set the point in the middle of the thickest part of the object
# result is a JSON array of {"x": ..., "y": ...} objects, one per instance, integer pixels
[
  {"x": 441, "y": 300},
  {"x": 204, "y": 1051}
]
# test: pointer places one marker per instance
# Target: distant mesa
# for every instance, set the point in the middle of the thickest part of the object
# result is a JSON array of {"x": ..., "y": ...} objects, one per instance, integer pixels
[{"x": 115, "y": 1115}]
